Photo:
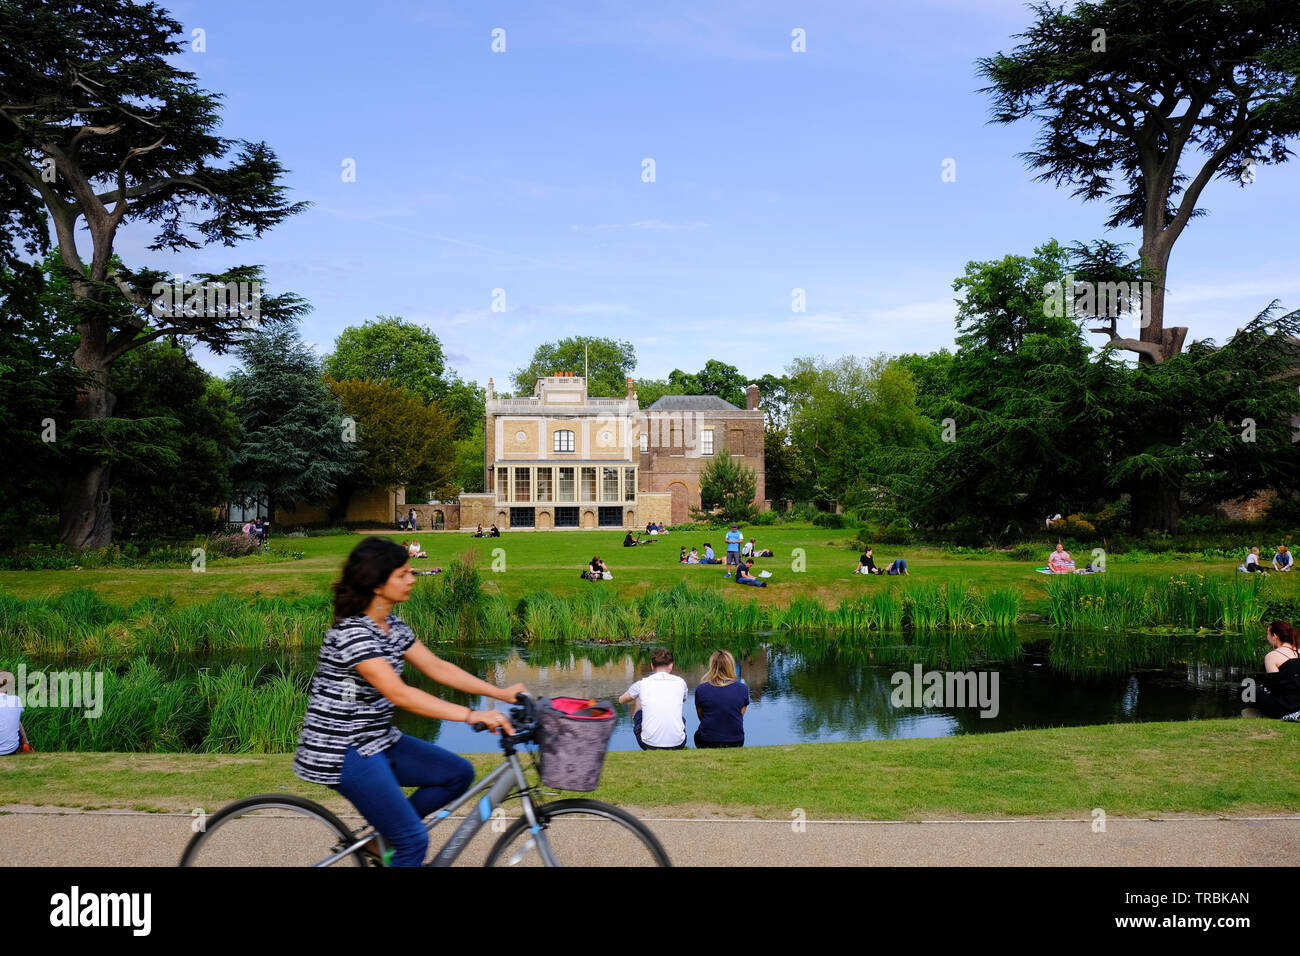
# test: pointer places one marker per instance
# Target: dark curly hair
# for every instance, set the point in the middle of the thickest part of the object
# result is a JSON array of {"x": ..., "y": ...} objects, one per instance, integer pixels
[{"x": 368, "y": 567}]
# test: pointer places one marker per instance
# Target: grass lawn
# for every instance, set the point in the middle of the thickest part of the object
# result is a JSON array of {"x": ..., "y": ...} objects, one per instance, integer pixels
[
  {"x": 551, "y": 561},
  {"x": 1200, "y": 767}
]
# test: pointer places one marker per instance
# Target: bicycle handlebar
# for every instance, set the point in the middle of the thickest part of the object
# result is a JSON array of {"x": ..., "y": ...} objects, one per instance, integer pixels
[{"x": 523, "y": 716}]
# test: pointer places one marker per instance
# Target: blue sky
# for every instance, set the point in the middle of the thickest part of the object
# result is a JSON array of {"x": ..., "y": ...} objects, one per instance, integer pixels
[{"x": 774, "y": 170}]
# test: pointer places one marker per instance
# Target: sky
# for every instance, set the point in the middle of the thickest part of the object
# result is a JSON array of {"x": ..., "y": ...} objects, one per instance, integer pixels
[{"x": 524, "y": 170}]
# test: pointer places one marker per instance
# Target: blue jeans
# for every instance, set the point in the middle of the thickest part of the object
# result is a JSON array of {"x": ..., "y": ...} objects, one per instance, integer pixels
[
  {"x": 898, "y": 567},
  {"x": 374, "y": 786}
]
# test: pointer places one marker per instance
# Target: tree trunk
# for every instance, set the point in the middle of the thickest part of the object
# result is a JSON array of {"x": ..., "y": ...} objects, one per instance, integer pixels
[
  {"x": 85, "y": 508},
  {"x": 1155, "y": 506}
]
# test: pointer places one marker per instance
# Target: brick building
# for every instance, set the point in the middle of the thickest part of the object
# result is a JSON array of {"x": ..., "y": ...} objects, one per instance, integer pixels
[{"x": 560, "y": 459}]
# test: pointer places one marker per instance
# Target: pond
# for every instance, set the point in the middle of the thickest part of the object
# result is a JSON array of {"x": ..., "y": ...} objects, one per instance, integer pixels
[{"x": 805, "y": 688}]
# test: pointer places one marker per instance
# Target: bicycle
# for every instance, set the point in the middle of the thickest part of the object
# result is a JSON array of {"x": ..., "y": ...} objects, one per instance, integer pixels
[{"x": 593, "y": 833}]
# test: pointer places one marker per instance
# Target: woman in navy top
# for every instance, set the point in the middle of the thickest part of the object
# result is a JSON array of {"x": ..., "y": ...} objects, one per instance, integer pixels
[{"x": 721, "y": 702}]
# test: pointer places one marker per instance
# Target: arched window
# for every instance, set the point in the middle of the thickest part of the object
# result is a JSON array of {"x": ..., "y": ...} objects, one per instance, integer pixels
[{"x": 564, "y": 440}]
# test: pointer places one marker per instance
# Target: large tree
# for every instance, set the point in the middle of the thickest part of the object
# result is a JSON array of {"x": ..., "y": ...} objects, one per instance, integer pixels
[
  {"x": 175, "y": 490},
  {"x": 295, "y": 444},
  {"x": 609, "y": 363},
  {"x": 407, "y": 441},
  {"x": 1143, "y": 102},
  {"x": 408, "y": 355},
  {"x": 98, "y": 126}
]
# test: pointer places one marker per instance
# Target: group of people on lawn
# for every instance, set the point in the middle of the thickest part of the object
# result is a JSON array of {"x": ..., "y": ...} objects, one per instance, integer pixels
[{"x": 1282, "y": 560}]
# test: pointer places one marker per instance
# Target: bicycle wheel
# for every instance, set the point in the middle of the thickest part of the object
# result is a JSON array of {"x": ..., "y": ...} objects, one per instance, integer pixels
[
  {"x": 581, "y": 833},
  {"x": 270, "y": 830}
]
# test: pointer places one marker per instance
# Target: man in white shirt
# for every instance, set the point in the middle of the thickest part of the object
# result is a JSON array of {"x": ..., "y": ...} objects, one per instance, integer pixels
[
  {"x": 657, "y": 716},
  {"x": 11, "y": 712}
]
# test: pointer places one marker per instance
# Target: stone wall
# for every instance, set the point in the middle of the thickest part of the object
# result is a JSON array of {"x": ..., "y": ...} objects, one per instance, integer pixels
[
  {"x": 653, "y": 506},
  {"x": 479, "y": 509},
  {"x": 1251, "y": 509}
]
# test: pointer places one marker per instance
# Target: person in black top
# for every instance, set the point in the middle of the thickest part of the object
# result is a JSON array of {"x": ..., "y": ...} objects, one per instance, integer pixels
[
  {"x": 720, "y": 703},
  {"x": 629, "y": 541},
  {"x": 1278, "y": 694},
  {"x": 867, "y": 564},
  {"x": 494, "y": 533}
]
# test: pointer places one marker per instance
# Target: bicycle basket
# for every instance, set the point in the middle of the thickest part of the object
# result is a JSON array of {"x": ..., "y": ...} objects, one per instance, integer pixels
[{"x": 574, "y": 736}]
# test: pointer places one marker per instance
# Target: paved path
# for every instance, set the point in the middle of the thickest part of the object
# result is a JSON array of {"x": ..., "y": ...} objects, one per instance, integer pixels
[{"x": 48, "y": 836}]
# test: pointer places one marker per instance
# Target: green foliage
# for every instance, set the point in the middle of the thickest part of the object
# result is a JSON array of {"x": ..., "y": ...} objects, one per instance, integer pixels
[
  {"x": 405, "y": 442},
  {"x": 728, "y": 485},
  {"x": 407, "y": 355},
  {"x": 175, "y": 490},
  {"x": 609, "y": 363},
  {"x": 849, "y": 421},
  {"x": 293, "y": 440}
]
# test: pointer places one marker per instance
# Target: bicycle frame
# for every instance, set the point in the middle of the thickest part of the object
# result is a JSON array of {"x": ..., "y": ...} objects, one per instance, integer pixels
[{"x": 499, "y": 784}]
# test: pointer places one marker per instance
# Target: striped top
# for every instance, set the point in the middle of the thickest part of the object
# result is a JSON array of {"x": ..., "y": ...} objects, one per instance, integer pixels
[{"x": 344, "y": 709}]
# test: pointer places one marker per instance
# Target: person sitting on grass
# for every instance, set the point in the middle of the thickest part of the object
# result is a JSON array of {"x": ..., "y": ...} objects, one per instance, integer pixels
[
  {"x": 681, "y": 558},
  {"x": 13, "y": 739},
  {"x": 1278, "y": 694},
  {"x": 898, "y": 566},
  {"x": 479, "y": 533},
  {"x": 657, "y": 700},
  {"x": 1282, "y": 559},
  {"x": 709, "y": 556},
  {"x": 693, "y": 557},
  {"x": 629, "y": 541},
  {"x": 413, "y": 548},
  {"x": 867, "y": 564},
  {"x": 748, "y": 550},
  {"x": 1060, "y": 561},
  {"x": 744, "y": 577},
  {"x": 494, "y": 532},
  {"x": 720, "y": 702},
  {"x": 1252, "y": 564},
  {"x": 597, "y": 571}
]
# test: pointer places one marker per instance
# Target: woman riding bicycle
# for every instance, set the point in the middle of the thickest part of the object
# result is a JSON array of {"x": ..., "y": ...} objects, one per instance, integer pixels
[{"x": 348, "y": 739}]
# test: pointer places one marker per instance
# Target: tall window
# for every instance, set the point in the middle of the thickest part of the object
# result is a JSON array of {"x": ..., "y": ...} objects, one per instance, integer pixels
[
  {"x": 609, "y": 484},
  {"x": 588, "y": 484},
  {"x": 521, "y": 485},
  {"x": 706, "y": 441},
  {"x": 645, "y": 442},
  {"x": 503, "y": 483},
  {"x": 566, "y": 485},
  {"x": 629, "y": 484},
  {"x": 543, "y": 484},
  {"x": 564, "y": 440}
]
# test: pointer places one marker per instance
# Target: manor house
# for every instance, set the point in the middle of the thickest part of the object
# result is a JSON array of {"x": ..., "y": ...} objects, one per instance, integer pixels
[{"x": 560, "y": 459}]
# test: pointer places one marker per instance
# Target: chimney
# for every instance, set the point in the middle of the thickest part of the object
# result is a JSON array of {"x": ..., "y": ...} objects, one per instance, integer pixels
[
  {"x": 490, "y": 392},
  {"x": 751, "y": 398},
  {"x": 631, "y": 390}
]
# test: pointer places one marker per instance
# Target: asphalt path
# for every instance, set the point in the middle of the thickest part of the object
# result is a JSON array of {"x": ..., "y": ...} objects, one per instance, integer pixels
[{"x": 51, "y": 836}]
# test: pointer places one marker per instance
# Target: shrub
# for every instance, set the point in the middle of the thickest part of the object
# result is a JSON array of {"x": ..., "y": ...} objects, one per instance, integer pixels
[
  {"x": 824, "y": 519},
  {"x": 1025, "y": 552},
  {"x": 1075, "y": 526},
  {"x": 765, "y": 518},
  {"x": 238, "y": 545}
]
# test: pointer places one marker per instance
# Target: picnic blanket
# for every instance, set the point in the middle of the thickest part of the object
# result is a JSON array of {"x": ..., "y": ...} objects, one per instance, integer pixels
[{"x": 1087, "y": 570}]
